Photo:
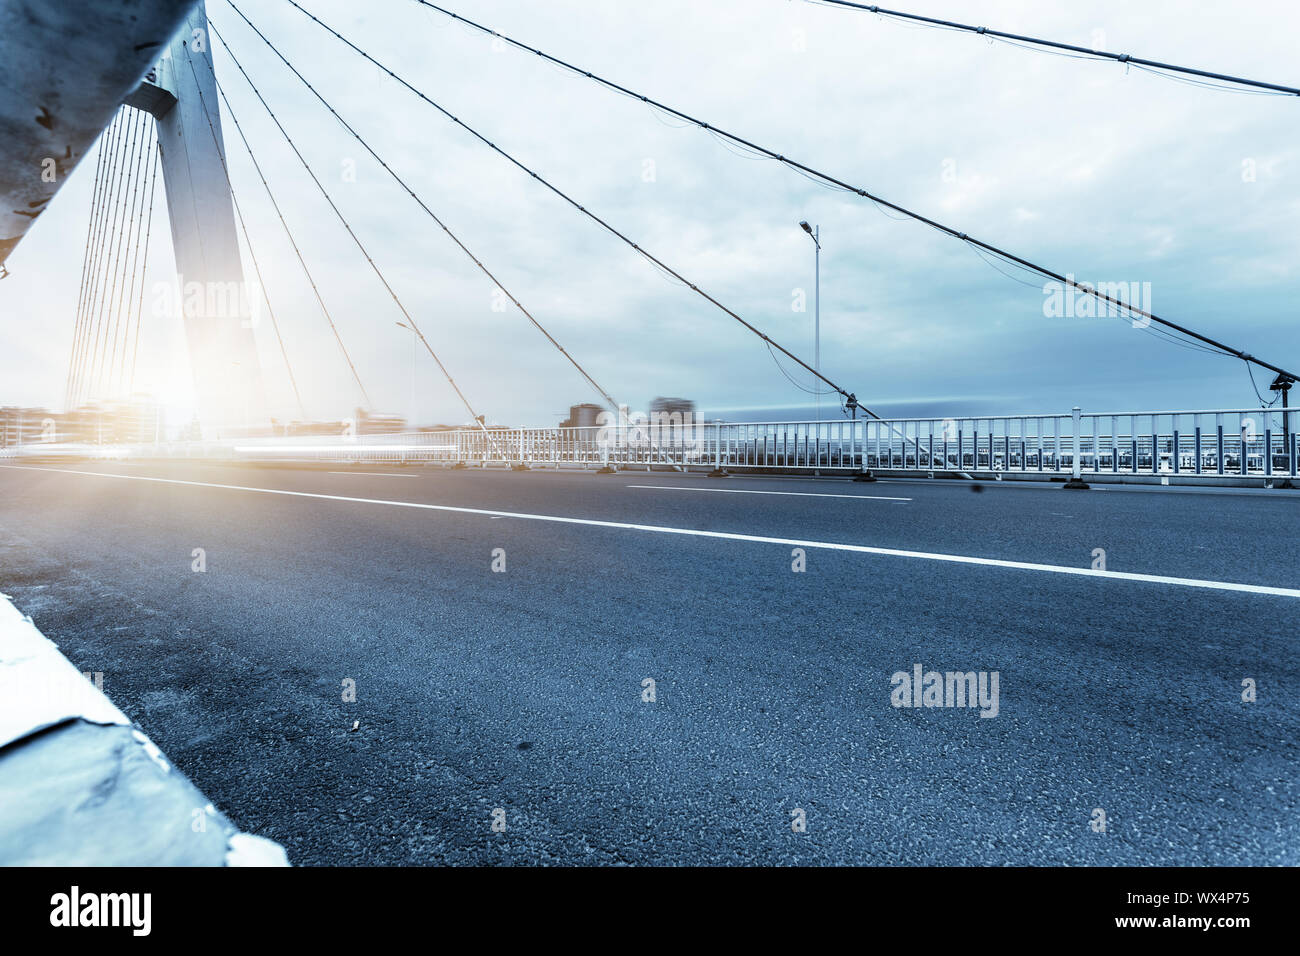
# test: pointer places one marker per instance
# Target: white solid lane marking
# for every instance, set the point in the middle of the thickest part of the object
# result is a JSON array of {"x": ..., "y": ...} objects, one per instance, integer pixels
[
  {"x": 721, "y": 535},
  {"x": 787, "y": 494},
  {"x": 371, "y": 474}
]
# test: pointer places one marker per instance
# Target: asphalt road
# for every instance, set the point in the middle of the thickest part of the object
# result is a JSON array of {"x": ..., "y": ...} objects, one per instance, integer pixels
[{"x": 523, "y": 689}]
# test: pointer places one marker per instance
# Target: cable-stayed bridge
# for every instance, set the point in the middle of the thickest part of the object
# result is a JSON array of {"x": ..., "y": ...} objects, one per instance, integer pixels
[
  {"x": 170, "y": 125},
  {"x": 591, "y": 613}
]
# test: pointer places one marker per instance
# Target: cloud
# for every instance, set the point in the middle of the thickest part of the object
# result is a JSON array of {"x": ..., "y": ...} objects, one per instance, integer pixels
[{"x": 1109, "y": 174}]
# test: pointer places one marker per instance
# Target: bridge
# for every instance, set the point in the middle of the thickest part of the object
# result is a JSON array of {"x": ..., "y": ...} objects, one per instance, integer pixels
[{"x": 660, "y": 637}]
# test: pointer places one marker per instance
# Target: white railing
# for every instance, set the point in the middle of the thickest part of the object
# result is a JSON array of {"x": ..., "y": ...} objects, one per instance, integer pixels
[
  {"x": 1227, "y": 443},
  {"x": 1221, "y": 443},
  {"x": 1259, "y": 442}
]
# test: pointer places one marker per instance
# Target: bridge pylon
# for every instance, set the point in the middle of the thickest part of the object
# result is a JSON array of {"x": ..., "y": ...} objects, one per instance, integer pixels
[{"x": 218, "y": 306}]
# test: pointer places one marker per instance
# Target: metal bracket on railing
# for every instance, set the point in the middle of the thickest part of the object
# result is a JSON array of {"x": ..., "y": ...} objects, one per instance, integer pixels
[
  {"x": 604, "y": 468},
  {"x": 1076, "y": 477},
  {"x": 718, "y": 471}
]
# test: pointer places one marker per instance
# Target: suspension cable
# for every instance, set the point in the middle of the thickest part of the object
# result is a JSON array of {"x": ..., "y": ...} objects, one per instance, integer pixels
[
  {"x": 594, "y": 384},
  {"x": 85, "y": 263},
  {"x": 347, "y": 226},
  {"x": 113, "y": 261},
  {"x": 144, "y": 271},
  {"x": 1125, "y": 58},
  {"x": 832, "y": 181},
  {"x": 108, "y": 354},
  {"x": 81, "y": 359},
  {"x": 650, "y": 257},
  {"x": 294, "y": 243},
  {"x": 849, "y": 398},
  {"x": 90, "y": 297},
  {"x": 415, "y": 327},
  {"x": 113, "y": 380}
]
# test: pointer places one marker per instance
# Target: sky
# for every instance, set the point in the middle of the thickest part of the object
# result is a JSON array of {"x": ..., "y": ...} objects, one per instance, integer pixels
[{"x": 1106, "y": 173}]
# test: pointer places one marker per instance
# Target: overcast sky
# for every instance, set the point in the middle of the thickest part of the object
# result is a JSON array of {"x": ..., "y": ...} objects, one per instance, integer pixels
[{"x": 1106, "y": 173}]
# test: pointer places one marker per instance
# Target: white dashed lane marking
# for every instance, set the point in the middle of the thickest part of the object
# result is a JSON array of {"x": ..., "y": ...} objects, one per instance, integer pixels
[{"x": 717, "y": 535}]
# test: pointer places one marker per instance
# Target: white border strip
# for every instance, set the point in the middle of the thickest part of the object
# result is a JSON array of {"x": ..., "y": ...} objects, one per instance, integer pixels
[
  {"x": 371, "y": 474},
  {"x": 784, "y": 494}
]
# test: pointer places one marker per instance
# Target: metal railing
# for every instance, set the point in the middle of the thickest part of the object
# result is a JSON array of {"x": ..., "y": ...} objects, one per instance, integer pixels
[
  {"x": 1228, "y": 444},
  {"x": 1221, "y": 443}
]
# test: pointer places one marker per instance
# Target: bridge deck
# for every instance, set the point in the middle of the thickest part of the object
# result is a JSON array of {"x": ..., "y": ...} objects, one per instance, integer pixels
[{"x": 522, "y": 689}]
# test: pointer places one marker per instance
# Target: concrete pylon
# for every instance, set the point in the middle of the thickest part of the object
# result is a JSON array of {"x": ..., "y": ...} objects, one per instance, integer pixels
[
  {"x": 220, "y": 308},
  {"x": 67, "y": 64}
]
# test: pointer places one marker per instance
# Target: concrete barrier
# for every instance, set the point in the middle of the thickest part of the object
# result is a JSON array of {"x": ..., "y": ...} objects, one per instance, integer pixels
[{"x": 80, "y": 785}]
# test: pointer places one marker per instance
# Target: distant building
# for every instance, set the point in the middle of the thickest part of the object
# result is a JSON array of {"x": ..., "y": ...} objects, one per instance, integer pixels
[
  {"x": 364, "y": 423},
  {"x": 370, "y": 423},
  {"x": 23, "y": 426},
  {"x": 672, "y": 411},
  {"x": 586, "y": 415},
  {"x": 138, "y": 421},
  {"x": 332, "y": 427}
]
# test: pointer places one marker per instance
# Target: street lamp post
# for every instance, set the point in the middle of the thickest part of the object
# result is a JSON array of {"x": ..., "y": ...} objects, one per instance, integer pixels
[{"x": 815, "y": 232}]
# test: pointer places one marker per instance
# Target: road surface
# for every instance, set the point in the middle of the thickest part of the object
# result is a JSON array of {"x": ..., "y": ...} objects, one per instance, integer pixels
[{"x": 523, "y": 689}]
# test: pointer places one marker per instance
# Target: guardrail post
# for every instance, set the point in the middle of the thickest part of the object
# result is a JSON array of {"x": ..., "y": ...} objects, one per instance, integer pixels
[
  {"x": 1076, "y": 481},
  {"x": 522, "y": 464},
  {"x": 605, "y": 467},
  {"x": 1219, "y": 452},
  {"x": 1133, "y": 444},
  {"x": 1243, "y": 448},
  {"x": 718, "y": 471},
  {"x": 866, "y": 474}
]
